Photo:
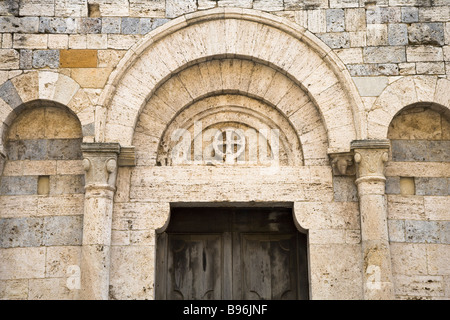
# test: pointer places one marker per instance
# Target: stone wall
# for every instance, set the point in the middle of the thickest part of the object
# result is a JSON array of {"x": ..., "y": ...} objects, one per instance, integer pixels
[{"x": 59, "y": 56}]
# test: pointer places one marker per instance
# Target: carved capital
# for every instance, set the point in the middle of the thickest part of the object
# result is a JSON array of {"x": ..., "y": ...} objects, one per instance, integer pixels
[
  {"x": 370, "y": 157},
  {"x": 100, "y": 162},
  {"x": 343, "y": 164}
]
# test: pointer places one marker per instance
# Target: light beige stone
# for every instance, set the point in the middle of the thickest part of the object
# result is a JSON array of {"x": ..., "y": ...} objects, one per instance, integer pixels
[{"x": 18, "y": 263}]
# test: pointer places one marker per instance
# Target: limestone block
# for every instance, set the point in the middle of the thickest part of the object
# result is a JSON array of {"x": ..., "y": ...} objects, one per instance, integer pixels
[
  {"x": 22, "y": 263},
  {"x": 317, "y": 21},
  {"x": 234, "y": 3},
  {"x": 409, "y": 258},
  {"x": 30, "y": 41},
  {"x": 46, "y": 58},
  {"x": 336, "y": 280},
  {"x": 438, "y": 259},
  {"x": 66, "y": 184},
  {"x": 424, "y": 53},
  {"x": 410, "y": 14},
  {"x": 339, "y": 215},
  {"x": 418, "y": 286},
  {"x": 178, "y": 8},
  {"x": 435, "y": 14},
  {"x": 51, "y": 289},
  {"x": 432, "y": 186},
  {"x": 358, "y": 39},
  {"x": 383, "y": 54},
  {"x": 9, "y": 59},
  {"x": 18, "y": 185},
  {"x": 62, "y": 230},
  {"x": 397, "y": 34},
  {"x": 112, "y": 8},
  {"x": 58, "y": 25},
  {"x": 77, "y": 41},
  {"x": 370, "y": 86},
  {"x": 430, "y": 68},
  {"x": 335, "y": 20},
  {"x": 376, "y": 34},
  {"x": 18, "y": 206},
  {"x": 436, "y": 208},
  {"x": 91, "y": 77},
  {"x": 67, "y": 204},
  {"x": 97, "y": 41},
  {"x": 126, "y": 278},
  {"x": 422, "y": 231},
  {"x": 344, "y": 3},
  {"x": 122, "y": 42},
  {"x": 26, "y": 59},
  {"x": 355, "y": 19},
  {"x": 78, "y": 58},
  {"x": 21, "y": 25},
  {"x": 383, "y": 15},
  {"x": 335, "y": 40},
  {"x": 111, "y": 25},
  {"x": 405, "y": 207},
  {"x": 417, "y": 169},
  {"x": 392, "y": 185},
  {"x": 396, "y": 230},
  {"x": 21, "y": 232},
  {"x": 152, "y": 9},
  {"x": 58, "y": 41},
  {"x": 345, "y": 189},
  {"x": 37, "y": 8},
  {"x": 426, "y": 34},
  {"x": 71, "y": 8},
  {"x": 268, "y": 5},
  {"x": 14, "y": 289}
]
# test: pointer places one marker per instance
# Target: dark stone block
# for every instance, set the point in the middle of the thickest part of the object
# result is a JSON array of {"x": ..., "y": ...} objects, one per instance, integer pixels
[{"x": 18, "y": 185}]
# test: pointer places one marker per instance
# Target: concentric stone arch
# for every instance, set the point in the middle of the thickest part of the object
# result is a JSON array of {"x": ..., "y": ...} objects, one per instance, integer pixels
[{"x": 231, "y": 33}]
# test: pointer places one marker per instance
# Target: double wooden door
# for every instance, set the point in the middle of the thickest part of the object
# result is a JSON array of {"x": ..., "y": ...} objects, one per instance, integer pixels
[{"x": 231, "y": 253}]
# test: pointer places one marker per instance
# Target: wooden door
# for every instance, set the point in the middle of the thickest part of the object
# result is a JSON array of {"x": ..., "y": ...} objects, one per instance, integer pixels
[{"x": 230, "y": 253}]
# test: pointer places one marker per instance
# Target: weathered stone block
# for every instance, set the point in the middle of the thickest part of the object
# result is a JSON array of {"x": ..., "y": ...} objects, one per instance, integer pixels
[
  {"x": 151, "y": 9},
  {"x": 46, "y": 58},
  {"x": 66, "y": 184},
  {"x": 111, "y": 25},
  {"x": 9, "y": 59},
  {"x": 130, "y": 25},
  {"x": 422, "y": 231},
  {"x": 22, "y": 25},
  {"x": 410, "y": 14},
  {"x": 335, "y": 20},
  {"x": 392, "y": 54},
  {"x": 14, "y": 289},
  {"x": 405, "y": 207},
  {"x": 345, "y": 189},
  {"x": 30, "y": 41},
  {"x": 370, "y": 86},
  {"x": 344, "y": 3},
  {"x": 9, "y": 94},
  {"x": 392, "y": 185},
  {"x": 373, "y": 69},
  {"x": 62, "y": 231},
  {"x": 383, "y": 15},
  {"x": 90, "y": 25},
  {"x": 335, "y": 40},
  {"x": 18, "y": 185},
  {"x": 434, "y": 14},
  {"x": 420, "y": 150},
  {"x": 71, "y": 8},
  {"x": 432, "y": 186},
  {"x": 58, "y": 41},
  {"x": 409, "y": 258},
  {"x": 430, "y": 67},
  {"x": 91, "y": 77},
  {"x": 78, "y": 58},
  {"x": 438, "y": 259},
  {"x": 397, "y": 34},
  {"x": 377, "y": 34},
  {"x": 396, "y": 230},
  {"x": 58, "y": 25},
  {"x": 235, "y": 3},
  {"x": 355, "y": 19},
  {"x": 21, "y": 232},
  {"x": 268, "y": 5},
  {"x": 22, "y": 263},
  {"x": 37, "y": 8},
  {"x": 175, "y": 8},
  {"x": 426, "y": 34}
]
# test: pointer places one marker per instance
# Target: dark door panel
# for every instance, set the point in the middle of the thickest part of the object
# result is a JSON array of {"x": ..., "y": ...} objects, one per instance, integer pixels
[{"x": 231, "y": 253}]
